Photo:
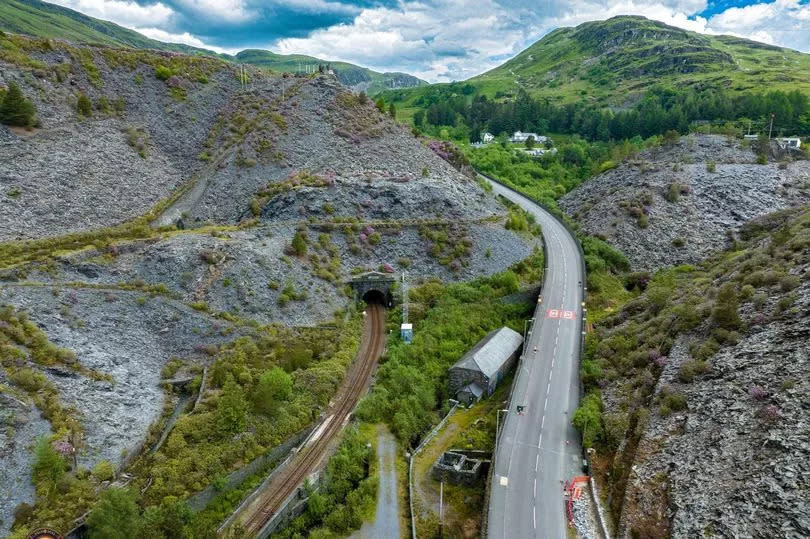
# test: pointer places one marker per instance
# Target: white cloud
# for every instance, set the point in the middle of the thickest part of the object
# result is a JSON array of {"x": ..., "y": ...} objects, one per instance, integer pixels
[
  {"x": 442, "y": 40},
  {"x": 124, "y": 12},
  {"x": 184, "y": 38},
  {"x": 783, "y": 22}
]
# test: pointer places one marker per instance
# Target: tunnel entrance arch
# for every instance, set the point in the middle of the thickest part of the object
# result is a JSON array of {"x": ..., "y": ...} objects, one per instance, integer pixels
[{"x": 374, "y": 287}]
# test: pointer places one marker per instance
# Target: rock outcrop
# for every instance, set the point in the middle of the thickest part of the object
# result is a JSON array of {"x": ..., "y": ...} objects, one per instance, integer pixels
[{"x": 665, "y": 207}]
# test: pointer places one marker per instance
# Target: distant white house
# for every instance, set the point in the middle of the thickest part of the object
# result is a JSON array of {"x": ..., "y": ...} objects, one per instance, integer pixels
[
  {"x": 519, "y": 136},
  {"x": 487, "y": 137},
  {"x": 750, "y": 137},
  {"x": 790, "y": 142},
  {"x": 537, "y": 152}
]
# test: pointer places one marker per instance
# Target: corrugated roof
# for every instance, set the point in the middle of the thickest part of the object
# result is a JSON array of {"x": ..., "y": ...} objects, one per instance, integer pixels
[{"x": 492, "y": 351}]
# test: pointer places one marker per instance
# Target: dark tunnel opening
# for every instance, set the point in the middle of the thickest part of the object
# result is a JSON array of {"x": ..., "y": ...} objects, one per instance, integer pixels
[{"x": 375, "y": 296}]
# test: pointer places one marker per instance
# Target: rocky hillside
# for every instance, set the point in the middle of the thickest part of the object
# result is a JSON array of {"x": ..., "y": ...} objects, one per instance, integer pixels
[
  {"x": 162, "y": 207},
  {"x": 703, "y": 379},
  {"x": 678, "y": 203}
]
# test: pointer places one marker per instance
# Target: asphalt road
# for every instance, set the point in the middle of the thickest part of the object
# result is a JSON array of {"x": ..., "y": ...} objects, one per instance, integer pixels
[{"x": 539, "y": 450}]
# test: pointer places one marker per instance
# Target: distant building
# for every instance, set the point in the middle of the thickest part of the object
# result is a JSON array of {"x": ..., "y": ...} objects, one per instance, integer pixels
[
  {"x": 750, "y": 137},
  {"x": 486, "y": 138},
  {"x": 537, "y": 152},
  {"x": 481, "y": 369},
  {"x": 790, "y": 142},
  {"x": 519, "y": 136}
]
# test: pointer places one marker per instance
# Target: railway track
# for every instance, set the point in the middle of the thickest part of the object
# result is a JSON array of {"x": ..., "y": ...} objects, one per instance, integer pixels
[{"x": 307, "y": 461}]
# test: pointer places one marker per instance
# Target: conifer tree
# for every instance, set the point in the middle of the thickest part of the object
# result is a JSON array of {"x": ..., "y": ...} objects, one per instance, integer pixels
[{"x": 16, "y": 109}]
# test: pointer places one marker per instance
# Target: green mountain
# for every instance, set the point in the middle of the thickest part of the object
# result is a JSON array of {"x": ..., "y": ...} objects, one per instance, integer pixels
[
  {"x": 627, "y": 54},
  {"x": 359, "y": 78},
  {"x": 612, "y": 62},
  {"x": 41, "y": 19}
]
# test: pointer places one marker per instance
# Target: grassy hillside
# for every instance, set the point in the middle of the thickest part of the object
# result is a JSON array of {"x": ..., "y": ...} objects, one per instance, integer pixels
[
  {"x": 41, "y": 19},
  {"x": 612, "y": 62},
  {"x": 357, "y": 77}
]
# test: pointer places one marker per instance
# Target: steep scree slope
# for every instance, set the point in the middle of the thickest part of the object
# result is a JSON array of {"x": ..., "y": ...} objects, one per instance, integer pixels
[
  {"x": 665, "y": 208},
  {"x": 704, "y": 382}
]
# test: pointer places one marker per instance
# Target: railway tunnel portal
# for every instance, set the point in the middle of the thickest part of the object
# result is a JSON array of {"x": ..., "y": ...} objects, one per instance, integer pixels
[{"x": 374, "y": 287}]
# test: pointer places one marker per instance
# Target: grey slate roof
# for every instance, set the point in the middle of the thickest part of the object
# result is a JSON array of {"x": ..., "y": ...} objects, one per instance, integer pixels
[{"x": 491, "y": 352}]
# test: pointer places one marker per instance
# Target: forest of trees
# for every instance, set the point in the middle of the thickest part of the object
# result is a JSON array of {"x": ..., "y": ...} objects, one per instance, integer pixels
[{"x": 660, "y": 110}]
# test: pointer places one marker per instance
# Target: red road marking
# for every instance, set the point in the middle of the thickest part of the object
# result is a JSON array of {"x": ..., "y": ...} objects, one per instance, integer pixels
[{"x": 559, "y": 313}]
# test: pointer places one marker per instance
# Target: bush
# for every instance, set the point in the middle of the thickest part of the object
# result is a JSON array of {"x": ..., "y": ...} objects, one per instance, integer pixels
[
  {"x": 15, "y": 109},
  {"x": 163, "y": 72},
  {"x": 84, "y": 106},
  {"x": 673, "y": 192},
  {"x": 762, "y": 159},
  {"x": 678, "y": 242},
  {"x": 671, "y": 401},
  {"x": 48, "y": 465},
  {"x": 692, "y": 368},
  {"x": 115, "y": 515},
  {"x": 724, "y": 314},
  {"x": 711, "y": 166},
  {"x": 588, "y": 419},
  {"x": 274, "y": 386},
  {"x": 103, "y": 470},
  {"x": 299, "y": 243}
]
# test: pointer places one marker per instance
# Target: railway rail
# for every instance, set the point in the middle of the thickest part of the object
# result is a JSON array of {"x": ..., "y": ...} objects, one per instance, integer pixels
[{"x": 312, "y": 455}]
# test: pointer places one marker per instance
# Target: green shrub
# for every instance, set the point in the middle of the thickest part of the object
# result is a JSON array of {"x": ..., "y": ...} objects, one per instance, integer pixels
[
  {"x": 671, "y": 401},
  {"x": 711, "y": 166},
  {"x": 588, "y": 419},
  {"x": 48, "y": 464},
  {"x": 115, "y": 515},
  {"x": 762, "y": 159},
  {"x": 15, "y": 109},
  {"x": 103, "y": 470},
  {"x": 162, "y": 72},
  {"x": 724, "y": 314},
  {"x": 231, "y": 410},
  {"x": 299, "y": 243},
  {"x": 678, "y": 242},
  {"x": 84, "y": 106},
  {"x": 692, "y": 368}
]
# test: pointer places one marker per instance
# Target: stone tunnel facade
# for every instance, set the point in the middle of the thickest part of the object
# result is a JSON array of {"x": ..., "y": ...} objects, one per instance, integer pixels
[{"x": 374, "y": 286}]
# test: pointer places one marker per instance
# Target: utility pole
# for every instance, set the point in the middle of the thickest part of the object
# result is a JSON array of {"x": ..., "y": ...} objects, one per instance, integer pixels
[
  {"x": 404, "y": 299},
  {"x": 441, "y": 509},
  {"x": 770, "y": 129}
]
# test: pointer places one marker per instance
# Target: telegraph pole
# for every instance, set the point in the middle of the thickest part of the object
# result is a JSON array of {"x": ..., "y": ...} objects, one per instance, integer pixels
[{"x": 770, "y": 129}]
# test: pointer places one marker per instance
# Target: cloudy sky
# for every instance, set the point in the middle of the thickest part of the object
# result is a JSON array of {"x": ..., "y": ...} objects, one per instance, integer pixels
[{"x": 437, "y": 40}]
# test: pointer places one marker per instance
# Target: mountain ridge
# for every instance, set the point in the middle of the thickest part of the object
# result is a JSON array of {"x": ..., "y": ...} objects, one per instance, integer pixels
[
  {"x": 612, "y": 63},
  {"x": 41, "y": 19}
]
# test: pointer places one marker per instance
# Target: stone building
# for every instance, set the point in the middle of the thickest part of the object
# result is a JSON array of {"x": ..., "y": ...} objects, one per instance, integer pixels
[
  {"x": 461, "y": 467},
  {"x": 481, "y": 369}
]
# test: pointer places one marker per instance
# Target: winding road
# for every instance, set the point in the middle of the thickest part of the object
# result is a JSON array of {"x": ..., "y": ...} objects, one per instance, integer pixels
[{"x": 539, "y": 449}]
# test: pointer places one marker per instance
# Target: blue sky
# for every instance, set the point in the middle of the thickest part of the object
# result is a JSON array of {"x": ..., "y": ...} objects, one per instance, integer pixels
[{"x": 438, "y": 40}]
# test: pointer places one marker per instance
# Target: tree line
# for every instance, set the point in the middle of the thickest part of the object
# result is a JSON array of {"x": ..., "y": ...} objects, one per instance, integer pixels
[{"x": 660, "y": 110}]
